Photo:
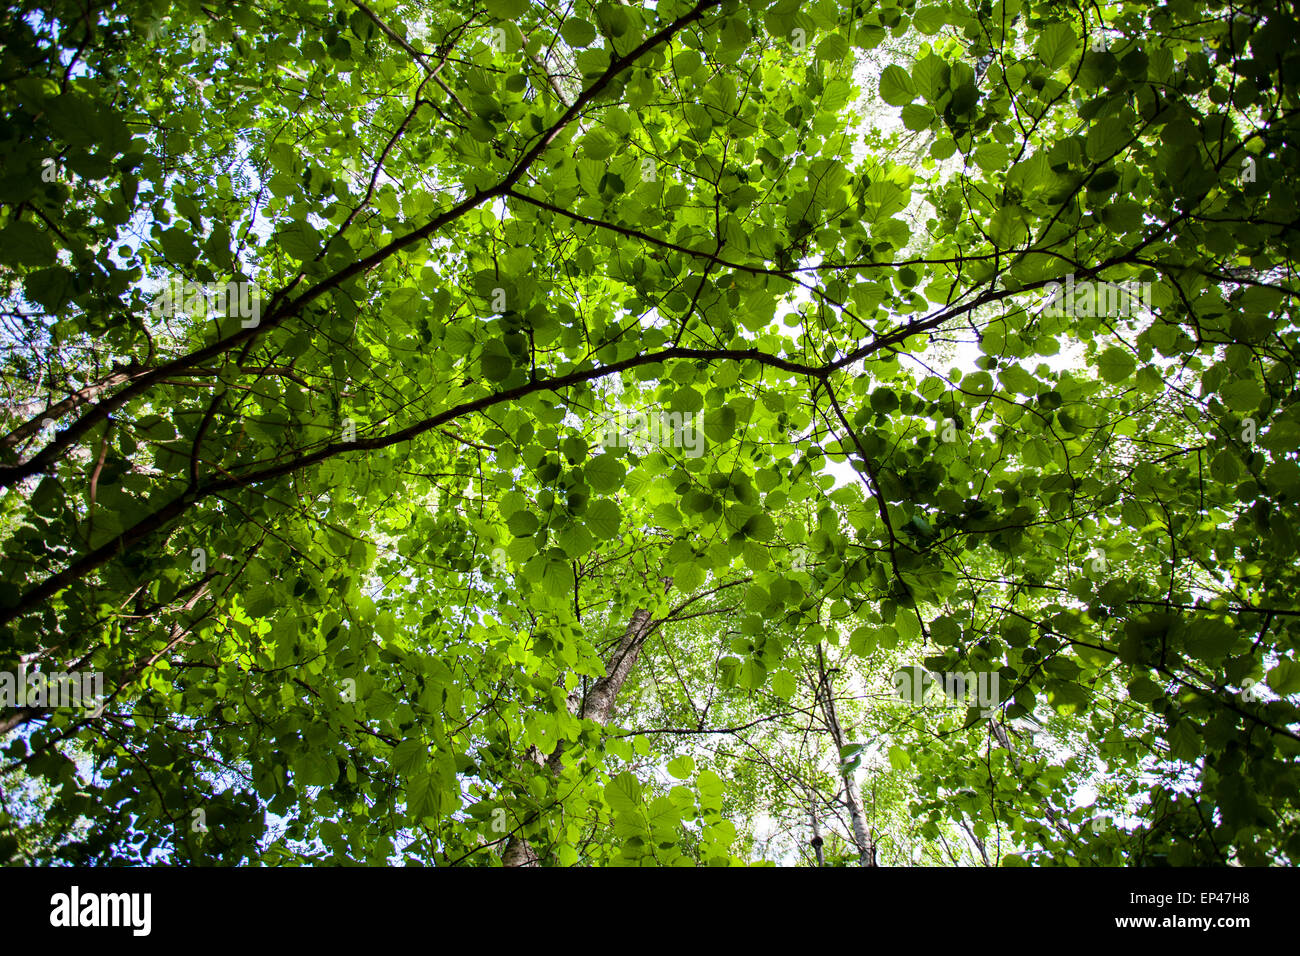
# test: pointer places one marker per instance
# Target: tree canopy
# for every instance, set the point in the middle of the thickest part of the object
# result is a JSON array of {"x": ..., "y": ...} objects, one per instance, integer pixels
[{"x": 699, "y": 432}]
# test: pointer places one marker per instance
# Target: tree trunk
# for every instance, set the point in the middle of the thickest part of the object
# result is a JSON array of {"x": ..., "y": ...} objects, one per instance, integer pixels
[
  {"x": 816, "y": 840},
  {"x": 861, "y": 836},
  {"x": 598, "y": 706}
]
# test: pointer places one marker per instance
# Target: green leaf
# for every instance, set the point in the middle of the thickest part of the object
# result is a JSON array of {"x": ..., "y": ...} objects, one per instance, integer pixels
[
  {"x": 832, "y": 48},
  {"x": 945, "y": 631},
  {"x": 1284, "y": 678},
  {"x": 50, "y": 288},
  {"x": 77, "y": 119},
  {"x": 1056, "y": 44},
  {"x": 604, "y": 519},
  {"x": 1208, "y": 639},
  {"x": 623, "y": 793},
  {"x": 720, "y": 424},
  {"x": 578, "y": 32},
  {"x": 1184, "y": 741},
  {"x": 178, "y": 246},
  {"x": 522, "y": 523},
  {"x": 496, "y": 363},
  {"x": 896, "y": 87},
  {"x": 1116, "y": 365},
  {"x": 863, "y": 640},
  {"x": 506, "y": 9},
  {"x": 884, "y": 401},
  {"x": 409, "y": 757},
  {"x": 24, "y": 244},
  {"x": 681, "y": 767},
  {"x": 784, "y": 685},
  {"x": 917, "y": 118},
  {"x": 557, "y": 578},
  {"x": 930, "y": 76},
  {"x": 1243, "y": 395},
  {"x": 315, "y": 769},
  {"x": 300, "y": 240},
  {"x": 604, "y": 472}
]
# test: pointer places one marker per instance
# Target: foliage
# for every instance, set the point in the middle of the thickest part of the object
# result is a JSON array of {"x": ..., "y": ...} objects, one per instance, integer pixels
[{"x": 353, "y": 555}]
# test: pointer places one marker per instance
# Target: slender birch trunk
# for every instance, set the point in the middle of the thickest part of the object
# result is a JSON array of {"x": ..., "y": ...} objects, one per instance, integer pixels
[
  {"x": 598, "y": 706},
  {"x": 861, "y": 835}
]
